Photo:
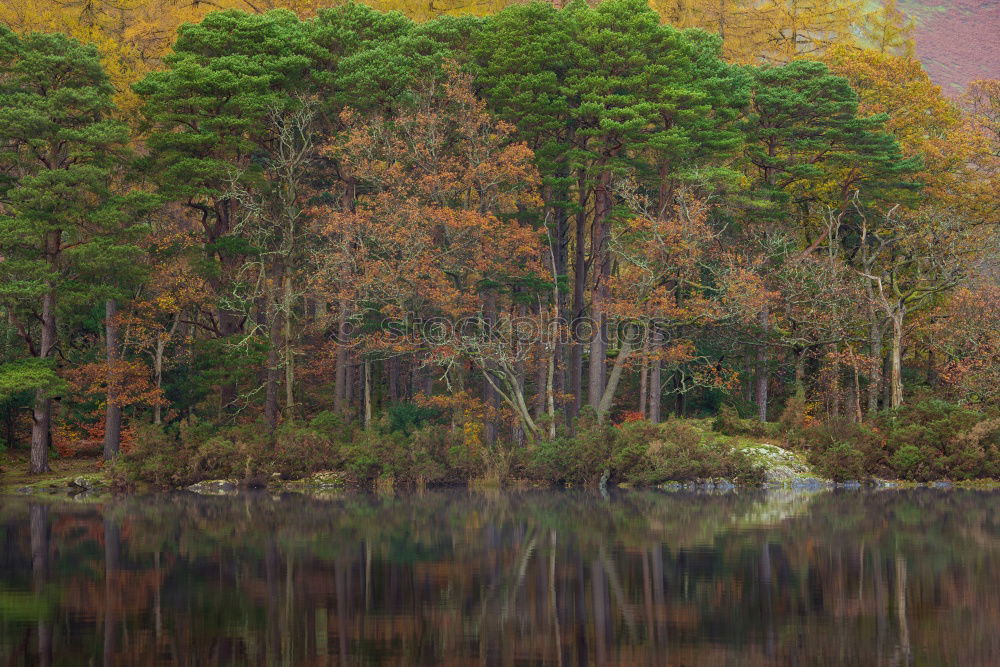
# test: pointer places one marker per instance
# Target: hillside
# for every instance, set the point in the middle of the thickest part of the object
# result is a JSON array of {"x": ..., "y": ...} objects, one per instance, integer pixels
[{"x": 957, "y": 40}]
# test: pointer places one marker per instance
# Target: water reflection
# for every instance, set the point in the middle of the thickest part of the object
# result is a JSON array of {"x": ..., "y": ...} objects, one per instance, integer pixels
[{"x": 530, "y": 578}]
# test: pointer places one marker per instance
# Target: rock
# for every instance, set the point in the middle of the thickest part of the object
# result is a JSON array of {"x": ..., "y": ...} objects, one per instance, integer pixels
[
  {"x": 809, "y": 483},
  {"x": 940, "y": 485},
  {"x": 214, "y": 487},
  {"x": 782, "y": 468},
  {"x": 86, "y": 483}
]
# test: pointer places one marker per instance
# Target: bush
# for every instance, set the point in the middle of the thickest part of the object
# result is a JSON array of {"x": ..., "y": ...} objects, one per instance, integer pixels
[
  {"x": 301, "y": 449},
  {"x": 840, "y": 462},
  {"x": 192, "y": 452},
  {"x": 580, "y": 460},
  {"x": 680, "y": 453},
  {"x": 841, "y": 450},
  {"x": 976, "y": 452},
  {"x": 930, "y": 439},
  {"x": 729, "y": 422},
  {"x": 407, "y": 417},
  {"x": 641, "y": 452},
  {"x": 155, "y": 459}
]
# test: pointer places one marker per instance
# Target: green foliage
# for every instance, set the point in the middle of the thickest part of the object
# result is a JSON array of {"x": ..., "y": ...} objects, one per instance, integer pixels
[
  {"x": 641, "y": 453},
  {"x": 28, "y": 375},
  {"x": 929, "y": 440},
  {"x": 405, "y": 417},
  {"x": 934, "y": 439},
  {"x": 803, "y": 126},
  {"x": 729, "y": 422}
]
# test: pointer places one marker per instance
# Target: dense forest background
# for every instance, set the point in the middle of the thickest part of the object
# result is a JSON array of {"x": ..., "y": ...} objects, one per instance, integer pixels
[{"x": 225, "y": 232}]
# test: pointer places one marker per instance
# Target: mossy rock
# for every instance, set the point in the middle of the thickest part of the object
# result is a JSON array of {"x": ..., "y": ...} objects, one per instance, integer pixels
[{"x": 782, "y": 468}]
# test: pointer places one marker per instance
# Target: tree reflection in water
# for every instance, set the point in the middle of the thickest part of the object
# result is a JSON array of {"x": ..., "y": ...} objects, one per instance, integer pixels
[{"x": 892, "y": 577}]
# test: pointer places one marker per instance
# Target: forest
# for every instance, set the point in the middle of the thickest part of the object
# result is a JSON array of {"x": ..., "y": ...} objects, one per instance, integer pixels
[{"x": 427, "y": 245}]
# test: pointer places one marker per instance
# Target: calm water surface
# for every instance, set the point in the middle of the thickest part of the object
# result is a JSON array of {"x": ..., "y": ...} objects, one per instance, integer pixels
[{"x": 456, "y": 578}]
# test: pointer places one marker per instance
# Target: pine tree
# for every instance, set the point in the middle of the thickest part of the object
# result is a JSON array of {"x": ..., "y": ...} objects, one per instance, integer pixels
[{"x": 60, "y": 219}]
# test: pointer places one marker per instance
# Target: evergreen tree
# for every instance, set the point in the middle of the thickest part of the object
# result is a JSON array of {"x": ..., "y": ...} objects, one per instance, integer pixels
[{"x": 60, "y": 219}]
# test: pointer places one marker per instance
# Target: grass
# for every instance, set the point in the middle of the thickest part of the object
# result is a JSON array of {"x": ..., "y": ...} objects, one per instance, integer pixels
[{"x": 14, "y": 471}]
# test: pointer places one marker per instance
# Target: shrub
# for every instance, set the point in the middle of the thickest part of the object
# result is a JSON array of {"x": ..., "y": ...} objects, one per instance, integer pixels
[
  {"x": 795, "y": 415},
  {"x": 429, "y": 456},
  {"x": 155, "y": 459},
  {"x": 575, "y": 460},
  {"x": 407, "y": 417},
  {"x": 840, "y": 462},
  {"x": 932, "y": 439},
  {"x": 371, "y": 454},
  {"x": 929, "y": 439},
  {"x": 680, "y": 453},
  {"x": 729, "y": 422},
  {"x": 976, "y": 452},
  {"x": 641, "y": 453},
  {"x": 911, "y": 462},
  {"x": 301, "y": 449}
]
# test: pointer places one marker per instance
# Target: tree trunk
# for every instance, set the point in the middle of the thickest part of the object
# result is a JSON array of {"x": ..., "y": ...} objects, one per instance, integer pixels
[
  {"x": 288, "y": 296},
  {"x": 800, "y": 373},
  {"x": 161, "y": 344},
  {"x": 763, "y": 374},
  {"x": 579, "y": 306},
  {"x": 875, "y": 368},
  {"x": 655, "y": 381},
  {"x": 42, "y": 413},
  {"x": 550, "y": 392},
  {"x": 368, "y": 392},
  {"x": 601, "y": 258},
  {"x": 275, "y": 330},
  {"x": 644, "y": 378},
  {"x": 896, "y": 356},
  {"x": 393, "y": 373},
  {"x": 558, "y": 380},
  {"x": 341, "y": 378},
  {"x": 113, "y": 412},
  {"x": 856, "y": 395},
  {"x": 608, "y": 396}
]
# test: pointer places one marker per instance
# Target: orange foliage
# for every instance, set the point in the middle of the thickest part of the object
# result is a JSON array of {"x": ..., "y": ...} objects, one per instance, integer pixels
[{"x": 439, "y": 180}]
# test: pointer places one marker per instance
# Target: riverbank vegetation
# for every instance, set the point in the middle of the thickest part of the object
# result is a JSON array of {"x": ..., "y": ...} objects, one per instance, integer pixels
[{"x": 569, "y": 245}]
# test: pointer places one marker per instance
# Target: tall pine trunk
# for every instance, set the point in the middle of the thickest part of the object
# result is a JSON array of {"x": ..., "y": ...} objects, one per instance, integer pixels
[
  {"x": 113, "y": 412},
  {"x": 42, "y": 411},
  {"x": 601, "y": 257},
  {"x": 762, "y": 370},
  {"x": 579, "y": 306}
]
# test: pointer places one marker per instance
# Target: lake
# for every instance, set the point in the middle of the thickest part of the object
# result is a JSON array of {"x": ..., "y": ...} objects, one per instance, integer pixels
[{"x": 887, "y": 577}]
